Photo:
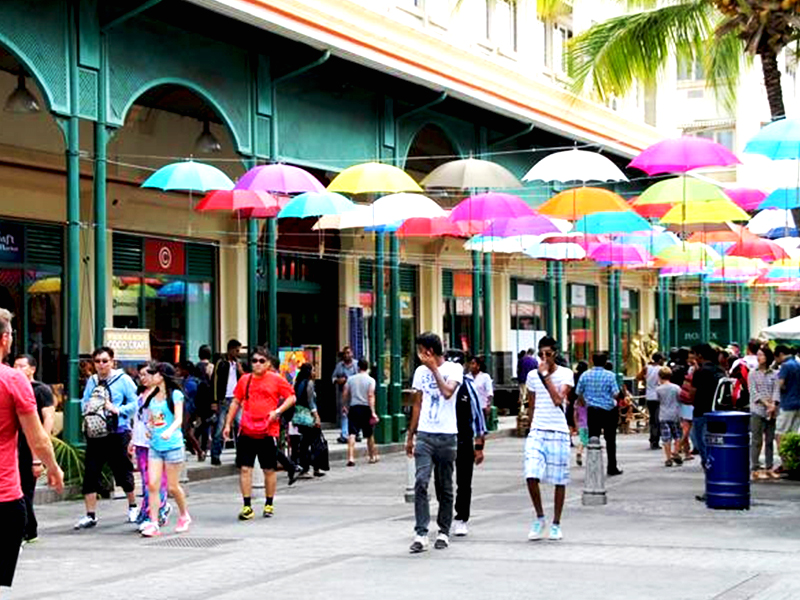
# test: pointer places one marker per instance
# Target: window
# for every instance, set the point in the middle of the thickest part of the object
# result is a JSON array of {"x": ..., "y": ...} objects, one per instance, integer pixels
[
  {"x": 479, "y": 19},
  {"x": 691, "y": 70},
  {"x": 582, "y": 321},
  {"x": 504, "y": 24},
  {"x": 560, "y": 35},
  {"x": 725, "y": 136},
  {"x": 457, "y": 293},
  {"x": 629, "y": 301}
]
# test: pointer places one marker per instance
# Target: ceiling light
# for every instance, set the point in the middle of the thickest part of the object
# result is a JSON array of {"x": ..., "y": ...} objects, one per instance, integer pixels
[
  {"x": 21, "y": 100},
  {"x": 206, "y": 142}
]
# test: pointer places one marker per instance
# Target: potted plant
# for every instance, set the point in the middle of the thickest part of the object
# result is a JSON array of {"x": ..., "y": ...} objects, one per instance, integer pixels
[{"x": 790, "y": 454}]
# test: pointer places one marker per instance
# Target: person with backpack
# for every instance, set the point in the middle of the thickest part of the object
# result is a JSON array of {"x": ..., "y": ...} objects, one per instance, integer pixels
[
  {"x": 259, "y": 394},
  {"x": 109, "y": 402},
  {"x": 306, "y": 418},
  {"x": 164, "y": 408}
]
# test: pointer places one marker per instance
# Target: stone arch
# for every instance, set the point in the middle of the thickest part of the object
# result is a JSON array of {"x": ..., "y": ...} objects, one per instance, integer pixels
[{"x": 433, "y": 140}]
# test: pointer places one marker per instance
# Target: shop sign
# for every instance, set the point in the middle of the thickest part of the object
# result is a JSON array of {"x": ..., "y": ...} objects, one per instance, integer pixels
[
  {"x": 578, "y": 295},
  {"x": 10, "y": 242},
  {"x": 625, "y": 300},
  {"x": 525, "y": 293},
  {"x": 462, "y": 285},
  {"x": 129, "y": 345},
  {"x": 162, "y": 256}
]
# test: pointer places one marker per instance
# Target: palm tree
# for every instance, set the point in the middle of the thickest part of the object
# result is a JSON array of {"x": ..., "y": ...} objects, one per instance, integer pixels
[{"x": 611, "y": 56}]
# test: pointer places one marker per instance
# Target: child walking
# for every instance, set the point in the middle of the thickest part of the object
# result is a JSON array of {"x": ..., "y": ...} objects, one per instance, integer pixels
[{"x": 669, "y": 417}]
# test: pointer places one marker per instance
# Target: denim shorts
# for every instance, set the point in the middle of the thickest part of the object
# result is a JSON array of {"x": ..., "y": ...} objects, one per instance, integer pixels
[{"x": 173, "y": 456}]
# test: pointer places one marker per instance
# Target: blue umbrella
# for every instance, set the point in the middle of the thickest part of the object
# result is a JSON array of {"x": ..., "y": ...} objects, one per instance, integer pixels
[
  {"x": 612, "y": 222},
  {"x": 778, "y": 140},
  {"x": 655, "y": 241},
  {"x": 174, "y": 289},
  {"x": 784, "y": 198},
  {"x": 316, "y": 204},
  {"x": 779, "y": 232},
  {"x": 189, "y": 176}
]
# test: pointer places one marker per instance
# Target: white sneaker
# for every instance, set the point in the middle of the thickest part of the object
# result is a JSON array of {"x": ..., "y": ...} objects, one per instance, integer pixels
[
  {"x": 555, "y": 532},
  {"x": 460, "y": 528},
  {"x": 133, "y": 512},
  {"x": 86, "y": 522},
  {"x": 537, "y": 530},
  {"x": 144, "y": 525},
  {"x": 420, "y": 544},
  {"x": 442, "y": 541}
]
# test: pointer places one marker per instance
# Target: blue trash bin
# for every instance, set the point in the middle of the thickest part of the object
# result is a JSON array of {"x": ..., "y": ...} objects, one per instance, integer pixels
[{"x": 728, "y": 469}]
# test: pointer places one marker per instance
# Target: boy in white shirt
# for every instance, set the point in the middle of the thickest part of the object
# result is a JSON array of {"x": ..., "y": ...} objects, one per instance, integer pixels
[
  {"x": 547, "y": 452},
  {"x": 483, "y": 383},
  {"x": 433, "y": 421}
]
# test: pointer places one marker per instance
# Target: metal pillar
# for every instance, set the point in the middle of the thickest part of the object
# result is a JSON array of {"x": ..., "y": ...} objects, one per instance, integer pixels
[
  {"x": 476, "y": 346},
  {"x": 395, "y": 387},
  {"x": 382, "y": 434},
  {"x": 252, "y": 284},
  {"x": 663, "y": 335},
  {"x": 705, "y": 330},
  {"x": 614, "y": 321},
  {"x": 732, "y": 331},
  {"x": 272, "y": 284},
  {"x": 672, "y": 292},
  {"x": 100, "y": 203},
  {"x": 773, "y": 308},
  {"x": 487, "y": 309},
  {"x": 745, "y": 316}
]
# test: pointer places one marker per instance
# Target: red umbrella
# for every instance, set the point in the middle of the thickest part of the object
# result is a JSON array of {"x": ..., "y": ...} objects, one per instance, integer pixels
[
  {"x": 238, "y": 200},
  {"x": 756, "y": 247},
  {"x": 649, "y": 211},
  {"x": 439, "y": 227}
]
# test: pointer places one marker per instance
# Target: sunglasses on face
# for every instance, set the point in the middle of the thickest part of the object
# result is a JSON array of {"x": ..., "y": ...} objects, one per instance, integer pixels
[
  {"x": 101, "y": 361},
  {"x": 543, "y": 354},
  {"x": 260, "y": 360}
]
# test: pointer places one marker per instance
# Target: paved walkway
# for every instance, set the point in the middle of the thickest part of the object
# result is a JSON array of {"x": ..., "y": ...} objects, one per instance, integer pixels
[{"x": 347, "y": 536}]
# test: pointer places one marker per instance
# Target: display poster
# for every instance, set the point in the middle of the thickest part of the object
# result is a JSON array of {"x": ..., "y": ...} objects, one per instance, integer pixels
[{"x": 129, "y": 345}]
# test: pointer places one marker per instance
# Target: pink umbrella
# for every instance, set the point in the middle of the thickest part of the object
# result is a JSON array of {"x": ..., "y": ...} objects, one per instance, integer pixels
[
  {"x": 683, "y": 154},
  {"x": 239, "y": 200},
  {"x": 491, "y": 205},
  {"x": 535, "y": 224},
  {"x": 629, "y": 255},
  {"x": 431, "y": 227},
  {"x": 280, "y": 179},
  {"x": 746, "y": 198}
]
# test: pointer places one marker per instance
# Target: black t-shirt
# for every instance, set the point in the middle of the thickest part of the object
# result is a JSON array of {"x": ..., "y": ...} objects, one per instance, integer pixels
[
  {"x": 705, "y": 381},
  {"x": 44, "y": 399}
]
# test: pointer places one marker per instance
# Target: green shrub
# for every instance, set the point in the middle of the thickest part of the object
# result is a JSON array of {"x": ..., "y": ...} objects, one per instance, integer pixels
[{"x": 790, "y": 451}]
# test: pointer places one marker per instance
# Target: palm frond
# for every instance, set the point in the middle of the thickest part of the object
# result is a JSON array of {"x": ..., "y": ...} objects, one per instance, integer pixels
[
  {"x": 70, "y": 459},
  {"x": 550, "y": 10},
  {"x": 723, "y": 65},
  {"x": 612, "y": 55}
]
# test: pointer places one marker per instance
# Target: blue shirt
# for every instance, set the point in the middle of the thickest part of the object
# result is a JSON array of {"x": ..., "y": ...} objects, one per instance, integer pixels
[
  {"x": 159, "y": 418},
  {"x": 123, "y": 396},
  {"x": 598, "y": 387},
  {"x": 790, "y": 391}
]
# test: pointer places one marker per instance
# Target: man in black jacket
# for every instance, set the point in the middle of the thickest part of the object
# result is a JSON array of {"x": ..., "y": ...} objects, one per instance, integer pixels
[{"x": 226, "y": 373}]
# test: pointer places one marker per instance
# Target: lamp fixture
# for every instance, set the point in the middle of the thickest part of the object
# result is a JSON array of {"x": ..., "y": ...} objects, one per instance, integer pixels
[
  {"x": 21, "y": 101},
  {"x": 206, "y": 142}
]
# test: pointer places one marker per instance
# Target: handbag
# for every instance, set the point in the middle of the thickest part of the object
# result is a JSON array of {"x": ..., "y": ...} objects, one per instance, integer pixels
[
  {"x": 319, "y": 453},
  {"x": 302, "y": 417}
]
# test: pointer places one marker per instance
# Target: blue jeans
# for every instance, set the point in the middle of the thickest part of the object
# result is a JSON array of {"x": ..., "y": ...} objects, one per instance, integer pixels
[
  {"x": 699, "y": 437},
  {"x": 217, "y": 443},
  {"x": 344, "y": 423}
]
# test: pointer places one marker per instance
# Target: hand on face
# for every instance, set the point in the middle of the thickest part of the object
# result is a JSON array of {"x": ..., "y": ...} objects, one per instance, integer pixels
[{"x": 427, "y": 358}]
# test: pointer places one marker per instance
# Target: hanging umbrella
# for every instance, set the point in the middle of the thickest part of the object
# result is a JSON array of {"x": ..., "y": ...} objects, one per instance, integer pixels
[
  {"x": 373, "y": 178},
  {"x": 316, "y": 204},
  {"x": 653, "y": 241},
  {"x": 649, "y": 211},
  {"x": 683, "y": 154},
  {"x": 736, "y": 269},
  {"x": 771, "y": 218},
  {"x": 756, "y": 247},
  {"x": 234, "y": 199},
  {"x": 359, "y": 218},
  {"x": 555, "y": 250},
  {"x": 501, "y": 245},
  {"x": 471, "y": 173},
  {"x": 746, "y": 198},
  {"x": 534, "y": 224},
  {"x": 777, "y": 140},
  {"x": 577, "y": 202},
  {"x": 48, "y": 285},
  {"x": 575, "y": 165},
  {"x": 785, "y": 198},
  {"x": 279, "y": 179},
  {"x": 173, "y": 289},
  {"x": 587, "y": 241},
  {"x": 681, "y": 190},
  {"x": 794, "y": 286},
  {"x": 491, "y": 205},
  {"x": 781, "y": 233},
  {"x": 780, "y": 272},
  {"x": 438, "y": 227},
  {"x": 612, "y": 254},
  {"x": 731, "y": 234},
  {"x": 686, "y": 253},
  {"x": 790, "y": 244},
  {"x": 694, "y": 216},
  {"x": 399, "y": 207},
  {"x": 612, "y": 222},
  {"x": 189, "y": 176}
]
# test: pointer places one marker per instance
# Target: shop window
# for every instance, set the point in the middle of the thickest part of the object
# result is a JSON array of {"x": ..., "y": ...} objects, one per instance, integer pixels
[
  {"x": 458, "y": 309},
  {"x": 629, "y": 300},
  {"x": 528, "y": 313},
  {"x": 504, "y": 24},
  {"x": 582, "y": 321},
  {"x": 691, "y": 70},
  {"x": 556, "y": 41}
]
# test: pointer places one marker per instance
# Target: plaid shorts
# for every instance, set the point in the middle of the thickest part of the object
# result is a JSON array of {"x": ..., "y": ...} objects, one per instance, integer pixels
[
  {"x": 670, "y": 430},
  {"x": 547, "y": 456}
]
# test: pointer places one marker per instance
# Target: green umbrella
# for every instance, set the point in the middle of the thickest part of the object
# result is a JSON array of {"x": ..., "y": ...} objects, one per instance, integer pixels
[{"x": 681, "y": 189}]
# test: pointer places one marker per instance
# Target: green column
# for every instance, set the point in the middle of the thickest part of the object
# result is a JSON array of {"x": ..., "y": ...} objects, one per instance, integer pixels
[
  {"x": 705, "y": 330},
  {"x": 476, "y": 346},
  {"x": 252, "y": 284},
  {"x": 383, "y": 431},
  {"x": 552, "y": 291},
  {"x": 617, "y": 333},
  {"x": 732, "y": 332},
  {"x": 612, "y": 315},
  {"x": 272, "y": 284},
  {"x": 395, "y": 387},
  {"x": 663, "y": 313},
  {"x": 100, "y": 202},
  {"x": 773, "y": 309},
  {"x": 745, "y": 316},
  {"x": 672, "y": 290},
  {"x": 487, "y": 309}
]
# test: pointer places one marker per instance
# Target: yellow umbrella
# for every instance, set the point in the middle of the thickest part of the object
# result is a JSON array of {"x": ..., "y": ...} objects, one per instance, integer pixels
[
  {"x": 703, "y": 216},
  {"x": 48, "y": 285},
  {"x": 373, "y": 178}
]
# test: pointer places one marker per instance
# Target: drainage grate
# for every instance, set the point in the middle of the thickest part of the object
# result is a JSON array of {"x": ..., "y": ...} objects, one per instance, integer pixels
[{"x": 187, "y": 542}]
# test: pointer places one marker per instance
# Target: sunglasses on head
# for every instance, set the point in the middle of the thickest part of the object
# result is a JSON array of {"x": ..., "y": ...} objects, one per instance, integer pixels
[
  {"x": 102, "y": 360},
  {"x": 259, "y": 360}
]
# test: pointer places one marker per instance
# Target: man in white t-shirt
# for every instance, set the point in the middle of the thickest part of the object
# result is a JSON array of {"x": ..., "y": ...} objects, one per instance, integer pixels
[
  {"x": 433, "y": 421},
  {"x": 482, "y": 382},
  {"x": 649, "y": 374},
  {"x": 547, "y": 452}
]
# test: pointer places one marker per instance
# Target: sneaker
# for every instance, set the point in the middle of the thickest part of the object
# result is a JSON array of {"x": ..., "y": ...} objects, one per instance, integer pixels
[
  {"x": 215, "y": 461},
  {"x": 579, "y": 459},
  {"x": 351, "y": 463},
  {"x": 133, "y": 512},
  {"x": 614, "y": 473},
  {"x": 151, "y": 531},
  {"x": 319, "y": 474},
  {"x": 460, "y": 528},
  {"x": 268, "y": 511},
  {"x": 341, "y": 440},
  {"x": 668, "y": 463},
  {"x": 183, "y": 523},
  {"x": 537, "y": 530},
  {"x": 420, "y": 544},
  {"x": 141, "y": 518},
  {"x": 246, "y": 513},
  {"x": 442, "y": 541},
  {"x": 677, "y": 459},
  {"x": 86, "y": 522},
  {"x": 293, "y": 474},
  {"x": 555, "y": 532},
  {"x": 144, "y": 525}
]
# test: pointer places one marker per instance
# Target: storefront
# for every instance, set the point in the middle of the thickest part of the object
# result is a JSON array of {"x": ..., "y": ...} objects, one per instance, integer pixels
[
  {"x": 631, "y": 324},
  {"x": 581, "y": 321},
  {"x": 168, "y": 287},
  {"x": 528, "y": 313},
  {"x": 31, "y": 257},
  {"x": 457, "y": 299}
]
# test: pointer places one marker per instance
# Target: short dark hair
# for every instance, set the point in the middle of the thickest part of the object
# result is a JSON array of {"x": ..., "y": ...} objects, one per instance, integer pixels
[
  {"x": 204, "y": 353},
  {"x": 683, "y": 355},
  {"x": 599, "y": 359},
  {"x": 233, "y": 344},
  {"x": 548, "y": 342},
  {"x": 480, "y": 360},
  {"x": 103, "y": 350},
  {"x": 31, "y": 361},
  {"x": 782, "y": 349},
  {"x": 531, "y": 351},
  {"x": 753, "y": 346},
  {"x": 346, "y": 348},
  {"x": 658, "y": 357},
  {"x": 706, "y": 352},
  {"x": 261, "y": 351},
  {"x": 430, "y": 341},
  {"x": 275, "y": 362},
  {"x": 363, "y": 364},
  {"x": 768, "y": 354},
  {"x": 609, "y": 366}
]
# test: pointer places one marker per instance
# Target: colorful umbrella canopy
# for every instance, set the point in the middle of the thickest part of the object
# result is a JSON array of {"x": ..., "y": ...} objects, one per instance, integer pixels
[
  {"x": 679, "y": 190},
  {"x": 575, "y": 165},
  {"x": 438, "y": 227},
  {"x": 612, "y": 222},
  {"x": 535, "y": 224},
  {"x": 316, "y": 204},
  {"x": 471, "y": 173},
  {"x": 790, "y": 244},
  {"x": 736, "y": 269},
  {"x": 189, "y": 176},
  {"x": 780, "y": 272},
  {"x": 399, "y": 207},
  {"x": 756, "y": 247},
  {"x": 683, "y": 154},
  {"x": 785, "y": 198},
  {"x": 782, "y": 232},
  {"x": 777, "y": 140},
  {"x": 771, "y": 218},
  {"x": 578, "y": 202},
  {"x": 653, "y": 241},
  {"x": 358, "y": 218},
  {"x": 731, "y": 234},
  {"x": 238, "y": 200},
  {"x": 279, "y": 179},
  {"x": 649, "y": 211},
  {"x": 491, "y": 205},
  {"x": 373, "y": 178},
  {"x": 746, "y": 198},
  {"x": 686, "y": 253},
  {"x": 703, "y": 213},
  {"x": 629, "y": 255}
]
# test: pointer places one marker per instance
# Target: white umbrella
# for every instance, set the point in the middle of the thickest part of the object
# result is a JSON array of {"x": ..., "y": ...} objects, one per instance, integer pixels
[
  {"x": 770, "y": 218},
  {"x": 785, "y": 330},
  {"x": 399, "y": 207},
  {"x": 352, "y": 219},
  {"x": 502, "y": 245},
  {"x": 790, "y": 244},
  {"x": 575, "y": 165},
  {"x": 556, "y": 251}
]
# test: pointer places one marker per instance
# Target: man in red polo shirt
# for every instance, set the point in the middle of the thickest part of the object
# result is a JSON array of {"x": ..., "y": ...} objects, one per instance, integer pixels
[
  {"x": 263, "y": 396},
  {"x": 17, "y": 405}
]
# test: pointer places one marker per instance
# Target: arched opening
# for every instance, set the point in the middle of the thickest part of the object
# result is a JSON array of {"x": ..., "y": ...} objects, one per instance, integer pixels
[{"x": 430, "y": 148}]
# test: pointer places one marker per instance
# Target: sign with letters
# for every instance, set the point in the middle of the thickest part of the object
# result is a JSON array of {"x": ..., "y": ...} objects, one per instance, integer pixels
[
  {"x": 163, "y": 256},
  {"x": 129, "y": 345},
  {"x": 11, "y": 242}
]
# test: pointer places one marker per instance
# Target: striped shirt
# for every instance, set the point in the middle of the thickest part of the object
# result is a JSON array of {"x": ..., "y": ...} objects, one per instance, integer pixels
[
  {"x": 546, "y": 415},
  {"x": 763, "y": 388},
  {"x": 598, "y": 387},
  {"x": 476, "y": 418}
]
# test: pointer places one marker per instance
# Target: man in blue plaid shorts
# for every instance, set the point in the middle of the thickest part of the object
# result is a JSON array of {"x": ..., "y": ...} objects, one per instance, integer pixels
[{"x": 547, "y": 452}]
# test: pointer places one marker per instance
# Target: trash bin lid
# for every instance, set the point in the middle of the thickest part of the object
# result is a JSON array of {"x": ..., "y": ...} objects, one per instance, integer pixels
[{"x": 727, "y": 414}]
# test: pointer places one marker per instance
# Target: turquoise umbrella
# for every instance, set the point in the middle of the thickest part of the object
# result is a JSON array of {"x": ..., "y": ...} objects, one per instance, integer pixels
[
  {"x": 600, "y": 223},
  {"x": 784, "y": 198},
  {"x": 189, "y": 176},
  {"x": 655, "y": 241},
  {"x": 316, "y": 204}
]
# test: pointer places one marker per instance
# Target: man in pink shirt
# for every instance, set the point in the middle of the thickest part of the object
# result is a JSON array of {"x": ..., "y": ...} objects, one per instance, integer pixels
[{"x": 18, "y": 405}]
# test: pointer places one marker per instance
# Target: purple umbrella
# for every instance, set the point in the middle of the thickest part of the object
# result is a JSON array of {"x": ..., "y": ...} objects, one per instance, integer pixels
[
  {"x": 683, "y": 154},
  {"x": 535, "y": 224},
  {"x": 492, "y": 205},
  {"x": 746, "y": 198},
  {"x": 279, "y": 179},
  {"x": 629, "y": 255}
]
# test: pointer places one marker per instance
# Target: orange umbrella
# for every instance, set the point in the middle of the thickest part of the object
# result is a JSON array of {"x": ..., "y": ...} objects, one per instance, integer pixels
[
  {"x": 578, "y": 202},
  {"x": 732, "y": 233}
]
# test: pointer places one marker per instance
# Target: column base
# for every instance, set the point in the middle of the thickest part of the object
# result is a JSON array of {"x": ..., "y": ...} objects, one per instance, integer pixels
[
  {"x": 493, "y": 422},
  {"x": 399, "y": 426},
  {"x": 383, "y": 430}
]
